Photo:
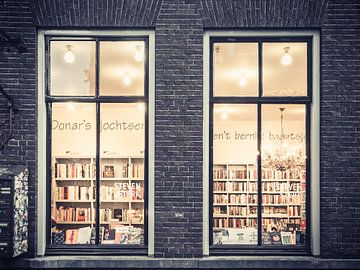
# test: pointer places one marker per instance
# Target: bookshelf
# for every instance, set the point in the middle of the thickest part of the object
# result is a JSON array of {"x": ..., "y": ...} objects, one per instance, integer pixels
[
  {"x": 73, "y": 199},
  {"x": 235, "y": 197}
]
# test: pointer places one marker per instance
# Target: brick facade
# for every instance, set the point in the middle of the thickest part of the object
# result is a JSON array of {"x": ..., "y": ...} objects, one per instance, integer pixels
[{"x": 179, "y": 27}]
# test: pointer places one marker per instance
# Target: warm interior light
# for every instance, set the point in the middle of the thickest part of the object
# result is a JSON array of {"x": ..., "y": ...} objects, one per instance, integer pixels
[
  {"x": 286, "y": 59},
  {"x": 69, "y": 57},
  {"x": 242, "y": 82},
  {"x": 139, "y": 54},
  {"x": 127, "y": 80},
  {"x": 141, "y": 107},
  {"x": 70, "y": 106},
  {"x": 224, "y": 115}
]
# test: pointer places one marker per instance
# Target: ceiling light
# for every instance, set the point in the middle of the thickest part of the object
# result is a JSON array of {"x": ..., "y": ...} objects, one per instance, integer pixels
[
  {"x": 242, "y": 81},
  {"x": 286, "y": 59},
  {"x": 69, "y": 57},
  {"x": 70, "y": 106},
  {"x": 127, "y": 80},
  {"x": 224, "y": 115},
  {"x": 141, "y": 107},
  {"x": 139, "y": 54}
]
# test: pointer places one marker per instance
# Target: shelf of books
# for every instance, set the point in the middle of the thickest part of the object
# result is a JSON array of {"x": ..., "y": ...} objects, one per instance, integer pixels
[
  {"x": 121, "y": 200},
  {"x": 235, "y": 204}
]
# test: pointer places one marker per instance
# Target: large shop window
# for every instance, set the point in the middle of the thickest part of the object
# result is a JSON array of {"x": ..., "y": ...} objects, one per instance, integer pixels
[
  {"x": 97, "y": 102},
  {"x": 259, "y": 152}
]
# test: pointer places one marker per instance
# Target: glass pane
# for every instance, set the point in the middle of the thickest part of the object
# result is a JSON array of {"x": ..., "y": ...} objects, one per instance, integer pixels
[
  {"x": 122, "y": 68},
  {"x": 72, "y": 68},
  {"x": 235, "y": 174},
  {"x": 122, "y": 173},
  {"x": 285, "y": 69},
  {"x": 283, "y": 174},
  {"x": 73, "y": 141},
  {"x": 235, "y": 69}
]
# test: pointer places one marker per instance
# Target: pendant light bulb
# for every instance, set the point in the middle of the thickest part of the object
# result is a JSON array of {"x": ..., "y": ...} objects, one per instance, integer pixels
[
  {"x": 242, "y": 81},
  {"x": 69, "y": 57},
  {"x": 224, "y": 115},
  {"x": 127, "y": 80},
  {"x": 286, "y": 59},
  {"x": 139, "y": 54}
]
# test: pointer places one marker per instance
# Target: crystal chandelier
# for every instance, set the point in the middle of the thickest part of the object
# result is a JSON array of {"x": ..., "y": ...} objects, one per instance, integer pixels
[{"x": 284, "y": 157}]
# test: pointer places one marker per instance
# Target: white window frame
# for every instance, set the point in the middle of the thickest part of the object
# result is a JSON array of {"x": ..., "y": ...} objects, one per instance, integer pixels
[
  {"x": 314, "y": 128},
  {"x": 41, "y": 130}
]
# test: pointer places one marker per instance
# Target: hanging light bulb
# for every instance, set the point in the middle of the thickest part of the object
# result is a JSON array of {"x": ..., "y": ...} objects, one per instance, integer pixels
[
  {"x": 127, "y": 80},
  {"x": 286, "y": 59},
  {"x": 69, "y": 57},
  {"x": 141, "y": 107},
  {"x": 224, "y": 115},
  {"x": 139, "y": 54},
  {"x": 242, "y": 80},
  {"x": 71, "y": 106}
]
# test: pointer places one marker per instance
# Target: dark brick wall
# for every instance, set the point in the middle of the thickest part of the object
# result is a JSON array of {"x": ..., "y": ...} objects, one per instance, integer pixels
[
  {"x": 340, "y": 130},
  {"x": 178, "y": 148},
  {"x": 18, "y": 78},
  {"x": 179, "y": 26}
]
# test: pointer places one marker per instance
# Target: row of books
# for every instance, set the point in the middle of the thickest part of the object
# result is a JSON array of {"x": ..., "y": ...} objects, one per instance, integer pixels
[
  {"x": 235, "y": 186},
  {"x": 274, "y": 199},
  {"x": 235, "y": 173},
  {"x": 114, "y": 235},
  {"x": 71, "y": 214},
  {"x": 114, "y": 214},
  {"x": 283, "y": 238},
  {"x": 234, "y": 222},
  {"x": 294, "y": 211},
  {"x": 274, "y": 174},
  {"x": 243, "y": 198},
  {"x": 122, "y": 191},
  {"x": 72, "y": 170},
  {"x": 238, "y": 211},
  {"x": 74, "y": 193},
  {"x": 274, "y": 210},
  {"x": 111, "y": 171},
  {"x": 275, "y": 186}
]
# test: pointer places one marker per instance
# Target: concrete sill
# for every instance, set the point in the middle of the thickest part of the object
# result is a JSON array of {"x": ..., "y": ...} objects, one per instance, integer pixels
[{"x": 214, "y": 262}]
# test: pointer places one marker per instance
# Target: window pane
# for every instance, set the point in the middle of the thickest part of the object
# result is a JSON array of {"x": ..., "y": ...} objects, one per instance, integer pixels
[
  {"x": 72, "y": 68},
  {"x": 122, "y": 173},
  {"x": 283, "y": 174},
  {"x": 235, "y": 69},
  {"x": 73, "y": 142},
  {"x": 285, "y": 69},
  {"x": 122, "y": 68},
  {"x": 235, "y": 174}
]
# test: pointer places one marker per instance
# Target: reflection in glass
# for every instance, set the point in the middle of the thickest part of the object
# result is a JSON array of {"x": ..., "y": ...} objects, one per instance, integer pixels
[
  {"x": 283, "y": 174},
  {"x": 72, "y": 70},
  {"x": 235, "y": 69},
  {"x": 122, "y": 191},
  {"x": 122, "y": 68},
  {"x": 73, "y": 138},
  {"x": 235, "y": 174},
  {"x": 285, "y": 69}
]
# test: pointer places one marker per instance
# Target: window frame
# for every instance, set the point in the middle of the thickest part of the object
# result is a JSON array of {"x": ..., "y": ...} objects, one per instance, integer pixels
[
  {"x": 97, "y": 100},
  {"x": 259, "y": 100}
]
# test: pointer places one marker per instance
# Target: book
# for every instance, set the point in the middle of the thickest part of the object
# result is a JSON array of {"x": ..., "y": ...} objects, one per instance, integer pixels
[
  {"x": 109, "y": 171},
  {"x": 266, "y": 238},
  {"x": 71, "y": 236},
  {"x": 275, "y": 238},
  {"x": 84, "y": 235},
  {"x": 300, "y": 237},
  {"x": 287, "y": 238}
]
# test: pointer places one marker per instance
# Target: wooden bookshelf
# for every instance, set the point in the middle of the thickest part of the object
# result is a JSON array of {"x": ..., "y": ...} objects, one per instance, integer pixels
[
  {"x": 74, "y": 187},
  {"x": 235, "y": 196}
]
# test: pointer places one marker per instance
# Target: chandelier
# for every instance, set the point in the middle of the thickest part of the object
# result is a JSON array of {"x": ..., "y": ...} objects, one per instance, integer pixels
[{"x": 283, "y": 157}]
